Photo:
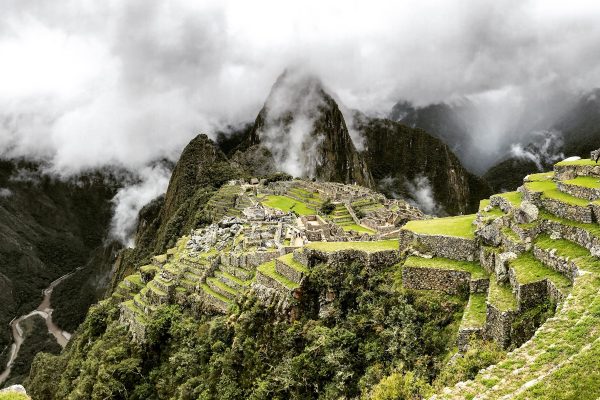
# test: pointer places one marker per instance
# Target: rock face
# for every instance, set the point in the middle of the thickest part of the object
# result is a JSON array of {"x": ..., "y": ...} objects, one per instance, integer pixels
[
  {"x": 398, "y": 155},
  {"x": 201, "y": 169},
  {"x": 303, "y": 128}
]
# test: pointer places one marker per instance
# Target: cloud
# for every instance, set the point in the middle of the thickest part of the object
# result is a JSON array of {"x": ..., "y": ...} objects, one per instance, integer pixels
[
  {"x": 5, "y": 192},
  {"x": 151, "y": 182},
  {"x": 544, "y": 151},
  {"x": 422, "y": 196},
  {"x": 90, "y": 83}
]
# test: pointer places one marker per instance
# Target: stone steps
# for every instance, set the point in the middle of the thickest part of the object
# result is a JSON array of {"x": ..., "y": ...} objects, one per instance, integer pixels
[
  {"x": 219, "y": 287},
  {"x": 290, "y": 268},
  {"x": 214, "y": 300},
  {"x": 240, "y": 273},
  {"x": 269, "y": 277},
  {"x": 230, "y": 280}
]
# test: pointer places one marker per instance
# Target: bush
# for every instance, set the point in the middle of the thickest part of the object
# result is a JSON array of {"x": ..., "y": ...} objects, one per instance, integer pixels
[{"x": 327, "y": 207}]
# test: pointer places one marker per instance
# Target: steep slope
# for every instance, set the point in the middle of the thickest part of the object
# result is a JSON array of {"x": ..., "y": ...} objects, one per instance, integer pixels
[
  {"x": 303, "y": 128},
  {"x": 398, "y": 156},
  {"x": 202, "y": 168},
  {"x": 49, "y": 227},
  {"x": 514, "y": 287}
]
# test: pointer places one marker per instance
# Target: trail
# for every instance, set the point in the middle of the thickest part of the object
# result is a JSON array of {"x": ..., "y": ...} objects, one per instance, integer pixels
[{"x": 43, "y": 310}]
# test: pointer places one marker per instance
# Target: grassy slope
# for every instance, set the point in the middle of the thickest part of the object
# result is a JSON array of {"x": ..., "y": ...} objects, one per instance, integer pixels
[{"x": 461, "y": 226}]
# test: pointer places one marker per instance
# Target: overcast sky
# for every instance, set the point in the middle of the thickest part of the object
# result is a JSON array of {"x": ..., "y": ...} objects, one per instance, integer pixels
[{"x": 89, "y": 83}]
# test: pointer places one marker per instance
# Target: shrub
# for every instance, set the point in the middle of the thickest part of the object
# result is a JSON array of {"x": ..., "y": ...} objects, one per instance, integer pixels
[{"x": 327, "y": 207}]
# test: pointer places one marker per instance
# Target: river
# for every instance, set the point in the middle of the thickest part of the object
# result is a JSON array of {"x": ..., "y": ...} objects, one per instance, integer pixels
[{"x": 44, "y": 310}]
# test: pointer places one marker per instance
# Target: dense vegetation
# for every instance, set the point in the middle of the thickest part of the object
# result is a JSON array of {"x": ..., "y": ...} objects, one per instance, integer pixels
[{"x": 373, "y": 331}]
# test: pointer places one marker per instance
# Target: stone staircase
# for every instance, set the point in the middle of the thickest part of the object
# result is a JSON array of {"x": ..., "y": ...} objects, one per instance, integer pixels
[{"x": 556, "y": 261}]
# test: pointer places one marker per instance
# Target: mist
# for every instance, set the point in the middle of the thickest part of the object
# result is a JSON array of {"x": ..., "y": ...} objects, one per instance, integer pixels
[{"x": 87, "y": 84}]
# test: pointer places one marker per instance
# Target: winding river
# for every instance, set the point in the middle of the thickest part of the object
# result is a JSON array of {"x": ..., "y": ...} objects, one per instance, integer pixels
[{"x": 43, "y": 310}]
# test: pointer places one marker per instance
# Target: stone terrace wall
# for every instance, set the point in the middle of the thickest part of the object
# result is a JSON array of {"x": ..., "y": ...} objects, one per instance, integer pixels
[
  {"x": 565, "y": 266},
  {"x": 566, "y": 172},
  {"x": 572, "y": 233},
  {"x": 498, "y": 325},
  {"x": 447, "y": 281},
  {"x": 567, "y": 211},
  {"x": 248, "y": 260},
  {"x": 377, "y": 259},
  {"x": 582, "y": 192},
  {"x": 530, "y": 294},
  {"x": 455, "y": 248}
]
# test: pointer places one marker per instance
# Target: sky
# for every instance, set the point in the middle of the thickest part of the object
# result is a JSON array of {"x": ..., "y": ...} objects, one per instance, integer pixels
[{"x": 88, "y": 83}]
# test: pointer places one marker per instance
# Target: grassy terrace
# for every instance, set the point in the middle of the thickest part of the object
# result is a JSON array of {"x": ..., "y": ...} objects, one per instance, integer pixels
[
  {"x": 501, "y": 296},
  {"x": 564, "y": 248},
  {"x": 585, "y": 181},
  {"x": 268, "y": 269},
  {"x": 559, "y": 362},
  {"x": 369, "y": 247},
  {"x": 542, "y": 176},
  {"x": 584, "y": 161},
  {"x": 556, "y": 194},
  {"x": 445, "y": 263},
  {"x": 592, "y": 229},
  {"x": 528, "y": 269},
  {"x": 212, "y": 293},
  {"x": 461, "y": 226},
  {"x": 223, "y": 286},
  {"x": 285, "y": 203},
  {"x": 288, "y": 260},
  {"x": 14, "y": 396},
  {"x": 475, "y": 312},
  {"x": 540, "y": 186},
  {"x": 515, "y": 198},
  {"x": 495, "y": 212}
]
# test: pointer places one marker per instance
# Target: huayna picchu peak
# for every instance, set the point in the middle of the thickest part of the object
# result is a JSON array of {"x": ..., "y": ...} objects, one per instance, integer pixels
[{"x": 291, "y": 271}]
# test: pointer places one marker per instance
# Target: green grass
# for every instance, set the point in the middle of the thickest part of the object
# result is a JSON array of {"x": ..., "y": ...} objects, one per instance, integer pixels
[
  {"x": 232, "y": 278},
  {"x": 268, "y": 269},
  {"x": 495, "y": 212},
  {"x": 136, "y": 279},
  {"x": 501, "y": 296},
  {"x": 564, "y": 248},
  {"x": 542, "y": 176},
  {"x": 461, "y": 226},
  {"x": 285, "y": 203},
  {"x": 212, "y": 293},
  {"x": 592, "y": 229},
  {"x": 358, "y": 228},
  {"x": 223, "y": 286},
  {"x": 514, "y": 198},
  {"x": 583, "y": 161},
  {"x": 556, "y": 194},
  {"x": 475, "y": 312},
  {"x": 540, "y": 186},
  {"x": 14, "y": 396},
  {"x": 289, "y": 260},
  {"x": 369, "y": 247},
  {"x": 528, "y": 269},
  {"x": 585, "y": 181},
  {"x": 149, "y": 268},
  {"x": 473, "y": 268}
]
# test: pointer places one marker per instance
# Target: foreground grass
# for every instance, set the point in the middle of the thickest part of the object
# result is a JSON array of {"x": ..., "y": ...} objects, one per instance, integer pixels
[
  {"x": 475, "y": 312},
  {"x": 461, "y": 226}
]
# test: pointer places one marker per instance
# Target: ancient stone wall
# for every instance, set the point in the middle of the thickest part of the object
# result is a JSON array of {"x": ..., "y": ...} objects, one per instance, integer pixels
[
  {"x": 447, "y": 281},
  {"x": 498, "y": 325},
  {"x": 567, "y": 211},
  {"x": 582, "y": 192},
  {"x": 567, "y": 172},
  {"x": 455, "y": 248},
  {"x": 565, "y": 266}
]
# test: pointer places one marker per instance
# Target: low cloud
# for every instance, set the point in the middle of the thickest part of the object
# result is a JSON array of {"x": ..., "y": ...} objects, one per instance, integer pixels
[
  {"x": 5, "y": 192},
  {"x": 422, "y": 196},
  {"x": 151, "y": 182},
  {"x": 544, "y": 151}
]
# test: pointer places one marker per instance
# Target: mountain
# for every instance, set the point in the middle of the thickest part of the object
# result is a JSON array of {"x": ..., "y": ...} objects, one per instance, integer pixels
[
  {"x": 48, "y": 228},
  {"x": 411, "y": 163},
  {"x": 303, "y": 128},
  {"x": 575, "y": 132}
]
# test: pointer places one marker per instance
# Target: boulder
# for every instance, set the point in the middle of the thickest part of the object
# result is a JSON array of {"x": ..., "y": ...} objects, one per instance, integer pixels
[
  {"x": 490, "y": 233},
  {"x": 501, "y": 267},
  {"x": 595, "y": 155},
  {"x": 526, "y": 213},
  {"x": 595, "y": 251}
]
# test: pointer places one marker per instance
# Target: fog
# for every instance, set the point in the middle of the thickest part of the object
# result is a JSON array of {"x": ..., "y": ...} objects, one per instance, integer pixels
[{"x": 86, "y": 83}]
